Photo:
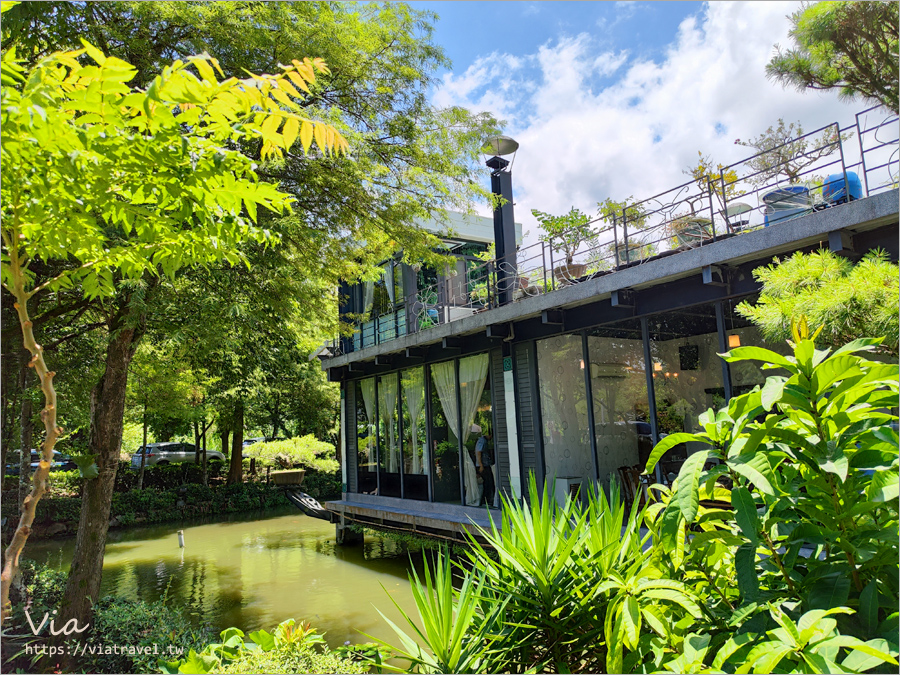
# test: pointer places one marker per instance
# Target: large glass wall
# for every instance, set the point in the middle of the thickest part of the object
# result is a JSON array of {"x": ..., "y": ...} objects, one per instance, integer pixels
[
  {"x": 366, "y": 462},
  {"x": 415, "y": 435},
  {"x": 444, "y": 440},
  {"x": 388, "y": 436},
  {"x": 568, "y": 459},
  {"x": 687, "y": 374},
  {"x": 619, "y": 391}
]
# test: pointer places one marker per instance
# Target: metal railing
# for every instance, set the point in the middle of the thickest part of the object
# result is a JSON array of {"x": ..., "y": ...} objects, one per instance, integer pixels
[{"x": 819, "y": 170}]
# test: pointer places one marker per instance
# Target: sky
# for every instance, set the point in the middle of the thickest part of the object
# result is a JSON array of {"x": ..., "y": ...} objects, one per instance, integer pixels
[{"x": 615, "y": 99}]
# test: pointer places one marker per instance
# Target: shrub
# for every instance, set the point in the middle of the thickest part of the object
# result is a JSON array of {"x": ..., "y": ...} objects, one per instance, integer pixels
[
  {"x": 305, "y": 451},
  {"x": 139, "y": 624},
  {"x": 290, "y": 648}
]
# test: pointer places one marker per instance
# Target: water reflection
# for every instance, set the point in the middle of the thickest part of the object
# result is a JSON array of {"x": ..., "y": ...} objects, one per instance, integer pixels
[{"x": 255, "y": 573}]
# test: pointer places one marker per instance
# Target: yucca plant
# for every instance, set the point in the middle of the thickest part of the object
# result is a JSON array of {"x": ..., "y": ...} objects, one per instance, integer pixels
[{"x": 457, "y": 627}]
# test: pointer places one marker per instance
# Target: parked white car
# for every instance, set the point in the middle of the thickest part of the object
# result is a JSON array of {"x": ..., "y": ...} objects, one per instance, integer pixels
[{"x": 172, "y": 453}]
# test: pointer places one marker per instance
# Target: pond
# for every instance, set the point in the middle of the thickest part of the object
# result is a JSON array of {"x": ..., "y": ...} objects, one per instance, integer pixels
[{"x": 255, "y": 571}]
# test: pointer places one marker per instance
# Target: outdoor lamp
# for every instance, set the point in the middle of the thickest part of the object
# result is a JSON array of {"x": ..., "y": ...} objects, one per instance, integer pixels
[
  {"x": 497, "y": 147},
  {"x": 734, "y": 340}
]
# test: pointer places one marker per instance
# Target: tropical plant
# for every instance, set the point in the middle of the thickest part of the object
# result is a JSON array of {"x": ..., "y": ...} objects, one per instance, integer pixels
[
  {"x": 847, "y": 299},
  {"x": 809, "y": 466},
  {"x": 848, "y": 46},
  {"x": 291, "y": 648}
]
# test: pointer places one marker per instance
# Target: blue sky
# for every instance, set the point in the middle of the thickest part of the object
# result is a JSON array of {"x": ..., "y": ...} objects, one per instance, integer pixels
[{"x": 614, "y": 99}]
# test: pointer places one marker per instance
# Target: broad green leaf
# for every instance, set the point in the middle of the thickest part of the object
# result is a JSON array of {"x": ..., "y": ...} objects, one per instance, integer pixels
[
  {"x": 264, "y": 639},
  {"x": 668, "y": 443},
  {"x": 631, "y": 622},
  {"x": 884, "y": 486},
  {"x": 759, "y": 354},
  {"x": 867, "y": 655},
  {"x": 755, "y": 469},
  {"x": 688, "y": 491},
  {"x": 87, "y": 465},
  {"x": 771, "y": 391},
  {"x": 830, "y": 591},
  {"x": 745, "y": 569},
  {"x": 868, "y": 607},
  {"x": 745, "y": 513}
]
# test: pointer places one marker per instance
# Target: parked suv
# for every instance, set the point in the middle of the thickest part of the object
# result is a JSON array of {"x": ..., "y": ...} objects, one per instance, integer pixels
[{"x": 172, "y": 453}]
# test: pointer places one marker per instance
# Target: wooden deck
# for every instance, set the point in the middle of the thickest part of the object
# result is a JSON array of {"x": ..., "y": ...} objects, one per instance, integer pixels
[{"x": 429, "y": 518}]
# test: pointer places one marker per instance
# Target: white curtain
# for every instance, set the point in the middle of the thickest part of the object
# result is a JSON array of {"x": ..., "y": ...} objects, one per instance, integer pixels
[
  {"x": 389, "y": 281},
  {"x": 387, "y": 395},
  {"x": 368, "y": 394},
  {"x": 445, "y": 383},
  {"x": 414, "y": 388},
  {"x": 472, "y": 374},
  {"x": 368, "y": 297}
]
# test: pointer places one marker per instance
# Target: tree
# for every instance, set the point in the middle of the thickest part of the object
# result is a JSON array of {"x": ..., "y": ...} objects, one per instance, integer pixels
[
  {"x": 782, "y": 151},
  {"x": 848, "y": 46},
  {"x": 567, "y": 232},
  {"x": 722, "y": 182},
  {"x": 847, "y": 301},
  {"x": 78, "y": 143}
]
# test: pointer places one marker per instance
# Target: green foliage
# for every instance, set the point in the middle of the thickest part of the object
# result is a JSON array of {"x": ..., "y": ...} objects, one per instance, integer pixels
[
  {"x": 134, "y": 623},
  {"x": 567, "y": 232},
  {"x": 723, "y": 183},
  {"x": 848, "y": 46},
  {"x": 781, "y": 151},
  {"x": 290, "y": 648},
  {"x": 847, "y": 300},
  {"x": 776, "y": 549},
  {"x": 306, "y": 451},
  {"x": 634, "y": 214},
  {"x": 78, "y": 139},
  {"x": 44, "y": 586}
]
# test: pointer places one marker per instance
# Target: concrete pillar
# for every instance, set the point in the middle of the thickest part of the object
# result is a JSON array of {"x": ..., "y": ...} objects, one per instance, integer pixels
[{"x": 344, "y": 536}]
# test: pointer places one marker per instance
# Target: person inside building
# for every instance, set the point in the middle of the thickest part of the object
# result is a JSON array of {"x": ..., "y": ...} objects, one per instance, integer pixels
[{"x": 484, "y": 465}]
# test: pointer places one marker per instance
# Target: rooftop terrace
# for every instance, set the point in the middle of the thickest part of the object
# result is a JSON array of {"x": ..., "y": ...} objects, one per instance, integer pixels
[{"x": 820, "y": 182}]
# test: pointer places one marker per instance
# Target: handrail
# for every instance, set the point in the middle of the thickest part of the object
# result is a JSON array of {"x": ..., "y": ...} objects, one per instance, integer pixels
[{"x": 718, "y": 207}]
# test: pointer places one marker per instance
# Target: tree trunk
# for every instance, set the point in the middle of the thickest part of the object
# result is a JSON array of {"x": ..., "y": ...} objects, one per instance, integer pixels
[
  {"x": 235, "y": 472},
  {"x": 196, "y": 442},
  {"x": 107, "y": 418},
  {"x": 26, "y": 427},
  {"x": 204, "y": 476},
  {"x": 140, "y": 480}
]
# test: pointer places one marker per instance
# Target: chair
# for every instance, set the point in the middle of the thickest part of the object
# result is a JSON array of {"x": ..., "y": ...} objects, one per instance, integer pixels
[{"x": 732, "y": 216}]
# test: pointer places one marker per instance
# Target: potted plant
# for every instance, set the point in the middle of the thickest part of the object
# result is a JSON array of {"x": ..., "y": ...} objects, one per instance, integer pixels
[
  {"x": 690, "y": 230},
  {"x": 783, "y": 152},
  {"x": 565, "y": 234}
]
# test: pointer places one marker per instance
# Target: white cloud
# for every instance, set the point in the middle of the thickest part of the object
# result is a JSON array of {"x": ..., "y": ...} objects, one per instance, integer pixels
[{"x": 580, "y": 143}]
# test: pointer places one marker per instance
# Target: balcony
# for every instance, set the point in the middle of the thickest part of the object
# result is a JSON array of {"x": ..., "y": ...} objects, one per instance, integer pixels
[{"x": 836, "y": 166}]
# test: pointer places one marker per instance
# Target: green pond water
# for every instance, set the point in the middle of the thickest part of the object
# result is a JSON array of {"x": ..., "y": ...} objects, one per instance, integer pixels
[{"x": 255, "y": 571}]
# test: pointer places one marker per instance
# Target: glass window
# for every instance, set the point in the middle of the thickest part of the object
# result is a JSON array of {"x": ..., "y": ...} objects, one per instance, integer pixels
[
  {"x": 619, "y": 392},
  {"x": 568, "y": 459},
  {"x": 687, "y": 374},
  {"x": 415, "y": 439},
  {"x": 472, "y": 378},
  {"x": 388, "y": 436},
  {"x": 740, "y": 332},
  {"x": 444, "y": 441},
  {"x": 367, "y": 480}
]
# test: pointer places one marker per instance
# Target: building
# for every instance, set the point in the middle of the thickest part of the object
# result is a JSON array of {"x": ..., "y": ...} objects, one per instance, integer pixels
[{"x": 572, "y": 364}]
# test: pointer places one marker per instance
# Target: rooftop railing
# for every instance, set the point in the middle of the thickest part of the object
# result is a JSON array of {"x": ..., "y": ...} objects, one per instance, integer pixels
[{"x": 819, "y": 170}]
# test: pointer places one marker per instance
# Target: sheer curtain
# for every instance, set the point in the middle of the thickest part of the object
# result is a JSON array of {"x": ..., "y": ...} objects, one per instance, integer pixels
[
  {"x": 387, "y": 395},
  {"x": 414, "y": 389},
  {"x": 472, "y": 374},
  {"x": 368, "y": 393}
]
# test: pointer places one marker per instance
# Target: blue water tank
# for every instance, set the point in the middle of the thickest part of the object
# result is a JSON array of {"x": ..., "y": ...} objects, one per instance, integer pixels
[
  {"x": 785, "y": 203},
  {"x": 835, "y": 191}
]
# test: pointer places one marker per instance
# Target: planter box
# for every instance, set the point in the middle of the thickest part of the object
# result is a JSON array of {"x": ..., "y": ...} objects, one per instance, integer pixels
[
  {"x": 569, "y": 273},
  {"x": 288, "y": 477}
]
